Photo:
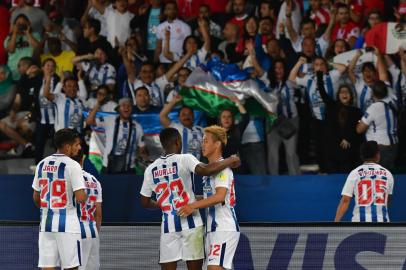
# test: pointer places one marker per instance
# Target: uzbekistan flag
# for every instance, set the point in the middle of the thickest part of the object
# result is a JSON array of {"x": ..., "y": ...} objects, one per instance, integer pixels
[{"x": 210, "y": 87}]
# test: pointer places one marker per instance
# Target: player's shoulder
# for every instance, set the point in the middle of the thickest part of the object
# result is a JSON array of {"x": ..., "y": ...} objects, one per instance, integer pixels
[{"x": 224, "y": 175}]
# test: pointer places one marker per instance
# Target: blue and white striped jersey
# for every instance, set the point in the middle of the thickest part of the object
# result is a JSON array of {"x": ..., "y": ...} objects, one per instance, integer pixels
[
  {"x": 192, "y": 139},
  {"x": 47, "y": 108},
  {"x": 69, "y": 111},
  {"x": 170, "y": 178},
  {"x": 382, "y": 121},
  {"x": 309, "y": 84},
  {"x": 156, "y": 90},
  {"x": 57, "y": 177},
  {"x": 370, "y": 184},
  {"x": 221, "y": 217},
  {"x": 286, "y": 94},
  {"x": 98, "y": 75},
  {"x": 87, "y": 211}
]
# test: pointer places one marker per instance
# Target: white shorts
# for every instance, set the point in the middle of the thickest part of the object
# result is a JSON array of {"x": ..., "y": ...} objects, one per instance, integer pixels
[
  {"x": 186, "y": 245},
  {"x": 220, "y": 248},
  {"x": 59, "y": 249},
  {"x": 90, "y": 254}
]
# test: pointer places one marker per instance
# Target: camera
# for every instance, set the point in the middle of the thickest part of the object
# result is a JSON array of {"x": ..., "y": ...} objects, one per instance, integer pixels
[{"x": 22, "y": 27}]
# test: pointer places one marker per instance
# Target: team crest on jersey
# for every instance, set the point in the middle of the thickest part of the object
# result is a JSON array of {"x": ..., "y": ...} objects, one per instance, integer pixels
[
  {"x": 222, "y": 176},
  {"x": 207, "y": 189}
]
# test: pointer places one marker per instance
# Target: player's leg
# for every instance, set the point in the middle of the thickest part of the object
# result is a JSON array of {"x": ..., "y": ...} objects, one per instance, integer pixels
[
  {"x": 70, "y": 250},
  {"x": 48, "y": 251},
  {"x": 170, "y": 250},
  {"x": 193, "y": 248},
  {"x": 93, "y": 260},
  {"x": 221, "y": 247},
  {"x": 169, "y": 266},
  {"x": 86, "y": 249},
  {"x": 195, "y": 265}
]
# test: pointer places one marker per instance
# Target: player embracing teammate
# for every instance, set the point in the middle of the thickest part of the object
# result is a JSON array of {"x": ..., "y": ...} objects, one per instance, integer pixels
[
  {"x": 170, "y": 178},
  {"x": 222, "y": 230}
]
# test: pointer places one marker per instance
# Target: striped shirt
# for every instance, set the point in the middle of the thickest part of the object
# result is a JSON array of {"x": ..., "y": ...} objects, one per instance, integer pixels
[
  {"x": 69, "y": 112},
  {"x": 192, "y": 139},
  {"x": 221, "y": 217},
  {"x": 87, "y": 210},
  {"x": 98, "y": 75},
  {"x": 309, "y": 82},
  {"x": 156, "y": 90},
  {"x": 382, "y": 121},
  {"x": 286, "y": 94},
  {"x": 56, "y": 178},
  {"x": 370, "y": 184},
  {"x": 47, "y": 108},
  {"x": 171, "y": 179},
  {"x": 321, "y": 46}
]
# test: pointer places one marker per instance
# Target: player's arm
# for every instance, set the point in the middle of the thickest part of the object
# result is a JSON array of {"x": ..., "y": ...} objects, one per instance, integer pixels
[
  {"x": 219, "y": 197},
  {"x": 36, "y": 198},
  {"x": 98, "y": 216},
  {"x": 80, "y": 195},
  {"x": 218, "y": 166},
  {"x": 147, "y": 202},
  {"x": 342, "y": 207}
]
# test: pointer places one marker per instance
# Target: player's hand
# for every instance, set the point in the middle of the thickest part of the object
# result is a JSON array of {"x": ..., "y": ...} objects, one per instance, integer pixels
[
  {"x": 345, "y": 144},
  {"x": 235, "y": 161},
  {"x": 185, "y": 211}
]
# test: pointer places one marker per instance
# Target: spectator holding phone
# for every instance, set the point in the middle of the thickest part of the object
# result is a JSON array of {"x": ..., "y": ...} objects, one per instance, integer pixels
[{"x": 21, "y": 42}]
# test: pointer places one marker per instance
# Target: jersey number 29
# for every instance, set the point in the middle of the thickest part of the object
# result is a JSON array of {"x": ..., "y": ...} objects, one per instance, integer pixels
[{"x": 58, "y": 197}]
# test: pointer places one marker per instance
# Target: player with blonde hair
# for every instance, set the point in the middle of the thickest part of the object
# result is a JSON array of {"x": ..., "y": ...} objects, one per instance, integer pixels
[{"x": 222, "y": 230}]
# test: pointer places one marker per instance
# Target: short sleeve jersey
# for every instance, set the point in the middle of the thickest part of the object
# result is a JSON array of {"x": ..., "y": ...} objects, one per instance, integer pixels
[
  {"x": 170, "y": 177},
  {"x": 56, "y": 178},
  {"x": 369, "y": 184},
  {"x": 87, "y": 210},
  {"x": 221, "y": 217}
]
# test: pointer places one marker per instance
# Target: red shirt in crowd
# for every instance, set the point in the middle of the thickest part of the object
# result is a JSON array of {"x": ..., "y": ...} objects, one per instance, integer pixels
[
  {"x": 216, "y": 6},
  {"x": 4, "y": 29},
  {"x": 347, "y": 31},
  {"x": 189, "y": 8},
  {"x": 321, "y": 16}
]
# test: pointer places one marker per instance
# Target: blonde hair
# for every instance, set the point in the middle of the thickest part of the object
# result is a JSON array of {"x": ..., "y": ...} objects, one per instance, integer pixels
[{"x": 219, "y": 133}]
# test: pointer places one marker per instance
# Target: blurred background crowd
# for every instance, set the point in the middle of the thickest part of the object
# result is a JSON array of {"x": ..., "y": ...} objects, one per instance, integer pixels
[{"x": 113, "y": 71}]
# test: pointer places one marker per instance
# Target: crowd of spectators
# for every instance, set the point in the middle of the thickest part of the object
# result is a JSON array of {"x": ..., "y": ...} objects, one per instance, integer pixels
[{"x": 61, "y": 58}]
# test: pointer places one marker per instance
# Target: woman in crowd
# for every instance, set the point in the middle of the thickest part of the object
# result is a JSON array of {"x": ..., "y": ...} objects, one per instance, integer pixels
[
  {"x": 287, "y": 112},
  {"x": 340, "y": 129}
]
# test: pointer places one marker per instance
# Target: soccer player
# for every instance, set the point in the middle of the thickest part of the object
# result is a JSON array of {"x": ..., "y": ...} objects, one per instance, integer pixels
[
  {"x": 170, "y": 178},
  {"x": 222, "y": 230},
  {"x": 371, "y": 184},
  {"x": 58, "y": 182},
  {"x": 90, "y": 217}
]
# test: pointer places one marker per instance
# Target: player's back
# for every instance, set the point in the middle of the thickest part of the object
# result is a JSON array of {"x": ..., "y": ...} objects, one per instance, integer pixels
[
  {"x": 87, "y": 210},
  {"x": 56, "y": 180},
  {"x": 170, "y": 177},
  {"x": 371, "y": 184}
]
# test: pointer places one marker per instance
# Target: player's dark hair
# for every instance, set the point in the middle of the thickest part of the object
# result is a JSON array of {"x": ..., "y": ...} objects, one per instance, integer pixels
[
  {"x": 368, "y": 150},
  {"x": 65, "y": 136},
  {"x": 168, "y": 137},
  {"x": 379, "y": 89},
  {"x": 95, "y": 24}
]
